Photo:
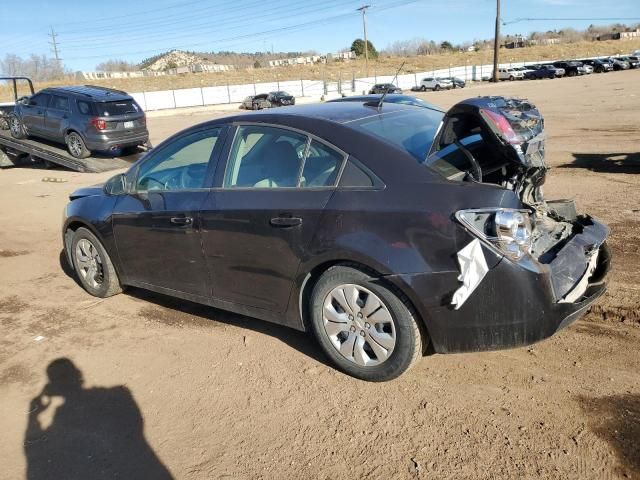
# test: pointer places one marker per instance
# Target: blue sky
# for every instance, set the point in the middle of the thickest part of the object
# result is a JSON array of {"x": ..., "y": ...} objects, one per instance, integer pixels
[{"x": 91, "y": 32}]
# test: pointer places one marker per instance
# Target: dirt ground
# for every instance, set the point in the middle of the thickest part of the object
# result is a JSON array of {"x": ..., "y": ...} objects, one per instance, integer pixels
[{"x": 173, "y": 389}]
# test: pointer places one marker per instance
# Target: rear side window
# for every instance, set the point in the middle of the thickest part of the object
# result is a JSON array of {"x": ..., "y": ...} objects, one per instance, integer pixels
[
  {"x": 121, "y": 107},
  {"x": 59, "y": 103},
  {"x": 355, "y": 176},
  {"x": 265, "y": 157},
  {"x": 84, "y": 107},
  {"x": 321, "y": 166}
]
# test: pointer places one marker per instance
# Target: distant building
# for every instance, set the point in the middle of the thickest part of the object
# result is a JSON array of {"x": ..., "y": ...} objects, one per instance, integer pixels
[
  {"x": 515, "y": 42},
  {"x": 626, "y": 35}
]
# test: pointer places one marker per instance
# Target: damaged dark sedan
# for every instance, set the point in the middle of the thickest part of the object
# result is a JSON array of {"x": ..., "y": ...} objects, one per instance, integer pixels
[{"x": 387, "y": 230}]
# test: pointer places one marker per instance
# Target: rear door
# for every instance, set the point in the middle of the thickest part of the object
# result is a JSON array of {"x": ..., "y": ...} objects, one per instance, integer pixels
[
  {"x": 56, "y": 116},
  {"x": 156, "y": 225},
  {"x": 258, "y": 224},
  {"x": 34, "y": 112}
]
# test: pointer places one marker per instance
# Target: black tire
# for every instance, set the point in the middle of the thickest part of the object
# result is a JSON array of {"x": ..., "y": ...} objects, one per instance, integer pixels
[
  {"x": 437, "y": 87},
  {"x": 79, "y": 149},
  {"x": 423, "y": 88},
  {"x": 511, "y": 78},
  {"x": 408, "y": 346},
  {"x": 16, "y": 127},
  {"x": 108, "y": 284}
]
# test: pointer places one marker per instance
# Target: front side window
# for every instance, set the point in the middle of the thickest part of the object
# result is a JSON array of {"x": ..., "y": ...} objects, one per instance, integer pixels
[
  {"x": 180, "y": 165},
  {"x": 40, "y": 100}
]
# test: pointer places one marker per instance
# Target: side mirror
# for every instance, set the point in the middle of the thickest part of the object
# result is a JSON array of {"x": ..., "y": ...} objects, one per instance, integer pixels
[{"x": 116, "y": 185}]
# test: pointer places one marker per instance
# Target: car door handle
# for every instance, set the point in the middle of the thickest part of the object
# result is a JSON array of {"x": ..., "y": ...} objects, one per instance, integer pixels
[
  {"x": 182, "y": 221},
  {"x": 285, "y": 221}
]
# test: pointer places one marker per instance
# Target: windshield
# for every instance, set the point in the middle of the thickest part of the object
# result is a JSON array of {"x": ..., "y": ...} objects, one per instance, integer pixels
[{"x": 412, "y": 130}]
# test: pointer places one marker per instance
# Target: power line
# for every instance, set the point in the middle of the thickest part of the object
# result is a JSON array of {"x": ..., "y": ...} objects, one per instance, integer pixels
[
  {"x": 233, "y": 23},
  {"x": 252, "y": 36}
]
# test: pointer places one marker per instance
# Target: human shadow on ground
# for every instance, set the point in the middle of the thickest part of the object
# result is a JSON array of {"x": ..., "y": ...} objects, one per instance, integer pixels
[
  {"x": 616, "y": 419},
  {"x": 94, "y": 432},
  {"x": 606, "y": 162}
]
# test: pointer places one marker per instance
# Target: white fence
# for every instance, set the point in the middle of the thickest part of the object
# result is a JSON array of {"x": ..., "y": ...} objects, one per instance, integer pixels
[{"x": 203, "y": 96}]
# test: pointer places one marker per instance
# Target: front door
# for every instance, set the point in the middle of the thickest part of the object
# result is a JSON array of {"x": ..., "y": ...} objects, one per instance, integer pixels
[
  {"x": 33, "y": 113},
  {"x": 157, "y": 225},
  {"x": 259, "y": 223}
]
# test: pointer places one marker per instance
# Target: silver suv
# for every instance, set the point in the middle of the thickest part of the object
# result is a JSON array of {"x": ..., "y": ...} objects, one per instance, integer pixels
[{"x": 86, "y": 119}]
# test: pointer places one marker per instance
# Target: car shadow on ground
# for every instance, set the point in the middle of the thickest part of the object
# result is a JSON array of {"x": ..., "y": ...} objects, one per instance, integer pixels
[
  {"x": 79, "y": 433},
  {"x": 606, "y": 162},
  {"x": 175, "y": 311},
  {"x": 616, "y": 419}
]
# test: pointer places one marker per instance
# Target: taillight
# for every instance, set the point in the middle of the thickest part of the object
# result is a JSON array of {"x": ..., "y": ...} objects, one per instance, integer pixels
[
  {"x": 98, "y": 123},
  {"x": 503, "y": 126}
]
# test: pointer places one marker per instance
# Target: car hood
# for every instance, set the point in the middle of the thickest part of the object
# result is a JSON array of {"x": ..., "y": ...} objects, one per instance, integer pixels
[{"x": 92, "y": 191}]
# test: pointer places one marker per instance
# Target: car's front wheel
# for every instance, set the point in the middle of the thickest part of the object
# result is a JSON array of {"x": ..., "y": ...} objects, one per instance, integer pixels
[
  {"x": 437, "y": 87},
  {"x": 76, "y": 146},
  {"x": 366, "y": 329},
  {"x": 423, "y": 88},
  {"x": 92, "y": 265},
  {"x": 16, "y": 127}
]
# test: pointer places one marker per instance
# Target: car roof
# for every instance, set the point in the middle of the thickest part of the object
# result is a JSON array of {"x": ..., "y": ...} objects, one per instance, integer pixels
[
  {"x": 390, "y": 98},
  {"x": 90, "y": 92},
  {"x": 338, "y": 112}
]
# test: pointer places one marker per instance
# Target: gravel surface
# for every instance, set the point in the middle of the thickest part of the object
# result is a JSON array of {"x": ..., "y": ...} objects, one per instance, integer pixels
[{"x": 156, "y": 388}]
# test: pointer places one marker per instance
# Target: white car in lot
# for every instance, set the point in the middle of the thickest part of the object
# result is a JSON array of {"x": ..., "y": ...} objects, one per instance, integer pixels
[
  {"x": 510, "y": 74},
  {"x": 435, "y": 83}
]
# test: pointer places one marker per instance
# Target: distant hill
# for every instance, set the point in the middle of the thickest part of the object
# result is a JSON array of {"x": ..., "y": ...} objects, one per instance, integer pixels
[{"x": 180, "y": 58}]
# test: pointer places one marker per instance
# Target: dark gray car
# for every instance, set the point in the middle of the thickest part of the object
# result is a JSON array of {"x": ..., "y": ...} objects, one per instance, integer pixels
[{"x": 86, "y": 119}]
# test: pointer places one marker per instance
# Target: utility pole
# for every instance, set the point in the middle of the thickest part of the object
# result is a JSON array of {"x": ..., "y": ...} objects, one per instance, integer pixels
[
  {"x": 54, "y": 46},
  {"x": 363, "y": 9},
  {"x": 496, "y": 43}
]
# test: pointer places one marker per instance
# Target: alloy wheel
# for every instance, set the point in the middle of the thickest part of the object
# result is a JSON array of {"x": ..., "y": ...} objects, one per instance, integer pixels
[
  {"x": 89, "y": 263},
  {"x": 75, "y": 146},
  {"x": 359, "y": 325},
  {"x": 16, "y": 128}
]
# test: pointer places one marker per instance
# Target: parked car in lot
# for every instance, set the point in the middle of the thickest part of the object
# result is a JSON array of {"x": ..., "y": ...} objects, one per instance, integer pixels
[
  {"x": 456, "y": 82},
  {"x": 86, "y": 119},
  {"x": 546, "y": 71},
  {"x": 537, "y": 72},
  {"x": 524, "y": 70},
  {"x": 619, "y": 64},
  {"x": 372, "y": 100},
  {"x": 571, "y": 69},
  {"x": 632, "y": 61},
  {"x": 510, "y": 74},
  {"x": 384, "y": 230},
  {"x": 384, "y": 88},
  {"x": 268, "y": 100},
  {"x": 599, "y": 65},
  {"x": 435, "y": 83}
]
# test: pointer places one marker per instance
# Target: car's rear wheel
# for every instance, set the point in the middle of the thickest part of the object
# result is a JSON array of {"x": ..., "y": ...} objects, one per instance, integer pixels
[
  {"x": 366, "y": 329},
  {"x": 76, "y": 146},
  {"x": 92, "y": 265},
  {"x": 423, "y": 88},
  {"x": 16, "y": 127}
]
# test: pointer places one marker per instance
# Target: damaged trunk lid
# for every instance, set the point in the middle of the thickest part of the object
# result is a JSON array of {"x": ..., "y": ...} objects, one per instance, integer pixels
[{"x": 501, "y": 141}]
